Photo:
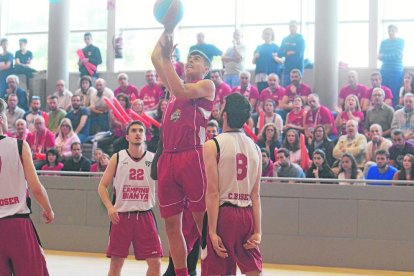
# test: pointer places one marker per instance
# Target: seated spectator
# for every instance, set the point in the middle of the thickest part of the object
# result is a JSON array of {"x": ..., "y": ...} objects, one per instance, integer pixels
[
  {"x": 319, "y": 115},
  {"x": 274, "y": 92},
  {"x": 14, "y": 89},
  {"x": 377, "y": 142},
  {"x": 354, "y": 88},
  {"x": 85, "y": 90},
  {"x": 138, "y": 107},
  {"x": 178, "y": 65},
  {"x": 34, "y": 111},
  {"x": 407, "y": 170},
  {"x": 295, "y": 118},
  {"x": 284, "y": 166},
  {"x": 376, "y": 82},
  {"x": 353, "y": 142},
  {"x": 404, "y": 117},
  {"x": 400, "y": 147},
  {"x": 131, "y": 91},
  {"x": 348, "y": 169},
  {"x": 95, "y": 159},
  {"x": 222, "y": 88},
  {"x": 78, "y": 162},
  {"x": 296, "y": 146},
  {"x": 63, "y": 95},
  {"x": 319, "y": 168},
  {"x": 6, "y": 66},
  {"x": 212, "y": 129},
  {"x": 117, "y": 127},
  {"x": 23, "y": 58},
  {"x": 321, "y": 141},
  {"x": 21, "y": 132},
  {"x": 162, "y": 106},
  {"x": 233, "y": 60},
  {"x": 269, "y": 139},
  {"x": 52, "y": 161},
  {"x": 79, "y": 118},
  {"x": 56, "y": 114},
  {"x": 246, "y": 89},
  {"x": 407, "y": 87},
  {"x": 99, "y": 110},
  {"x": 152, "y": 92},
  {"x": 379, "y": 113},
  {"x": 65, "y": 138},
  {"x": 351, "y": 111},
  {"x": 14, "y": 112},
  {"x": 295, "y": 88},
  {"x": 269, "y": 116},
  {"x": 101, "y": 164},
  {"x": 40, "y": 140},
  {"x": 382, "y": 170},
  {"x": 267, "y": 163}
]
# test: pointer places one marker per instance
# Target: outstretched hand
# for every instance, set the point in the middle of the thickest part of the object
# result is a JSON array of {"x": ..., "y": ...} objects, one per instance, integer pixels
[{"x": 167, "y": 45}]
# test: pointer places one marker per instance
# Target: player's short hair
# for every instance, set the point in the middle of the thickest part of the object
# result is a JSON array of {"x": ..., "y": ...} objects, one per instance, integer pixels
[
  {"x": 134, "y": 123},
  {"x": 238, "y": 110},
  {"x": 207, "y": 61}
]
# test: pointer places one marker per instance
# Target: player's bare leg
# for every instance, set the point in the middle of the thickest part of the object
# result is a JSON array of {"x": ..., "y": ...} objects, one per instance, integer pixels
[
  {"x": 154, "y": 266},
  {"x": 116, "y": 266},
  {"x": 175, "y": 235}
]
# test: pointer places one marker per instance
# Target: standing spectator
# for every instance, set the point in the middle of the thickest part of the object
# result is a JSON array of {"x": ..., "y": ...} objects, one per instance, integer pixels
[
  {"x": 34, "y": 111},
  {"x": 161, "y": 108},
  {"x": 92, "y": 55},
  {"x": 52, "y": 161},
  {"x": 269, "y": 139},
  {"x": 404, "y": 117},
  {"x": 267, "y": 163},
  {"x": 348, "y": 169},
  {"x": 379, "y": 113},
  {"x": 151, "y": 92},
  {"x": 293, "y": 50},
  {"x": 14, "y": 89},
  {"x": 352, "y": 111},
  {"x": 319, "y": 115},
  {"x": 285, "y": 168},
  {"x": 21, "y": 130},
  {"x": 400, "y": 147},
  {"x": 295, "y": 88},
  {"x": 63, "y": 95},
  {"x": 209, "y": 50},
  {"x": 23, "y": 58},
  {"x": 382, "y": 170},
  {"x": 295, "y": 117},
  {"x": 79, "y": 117},
  {"x": 407, "y": 87},
  {"x": 266, "y": 59},
  {"x": 85, "y": 90},
  {"x": 233, "y": 60},
  {"x": 319, "y": 167},
  {"x": 247, "y": 90},
  {"x": 391, "y": 54},
  {"x": 126, "y": 88},
  {"x": 40, "y": 140},
  {"x": 99, "y": 110},
  {"x": 65, "y": 138},
  {"x": 376, "y": 81},
  {"x": 321, "y": 141},
  {"x": 377, "y": 142},
  {"x": 274, "y": 91},
  {"x": 55, "y": 114},
  {"x": 13, "y": 112},
  {"x": 222, "y": 88},
  {"x": 407, "y": 170},
  {"x": 353, "y": 88},
  {"x": 78, "y": 162},
  {"x": 6, "y": 65}
]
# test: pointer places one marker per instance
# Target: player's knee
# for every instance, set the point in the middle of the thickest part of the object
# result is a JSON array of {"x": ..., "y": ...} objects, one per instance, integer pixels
[
  {"x": 154, "y": 266},
  {"x": 116, "y": 265}
]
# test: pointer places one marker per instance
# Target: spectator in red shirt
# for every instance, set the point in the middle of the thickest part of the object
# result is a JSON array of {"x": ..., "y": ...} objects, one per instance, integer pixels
[
  {"x": 247, "y": 90},
  {"x": 151, "y": 92},
  {"x": 295, "y": 88},
  {"x": 319, "y": 115},
  {"x": 126, "y": 88},
  {"x": 222, "y": 88},
  {"x": 376, "y": 81},
  {"x": 274, "y": 91},
  {"x": 353, "y": 88}
]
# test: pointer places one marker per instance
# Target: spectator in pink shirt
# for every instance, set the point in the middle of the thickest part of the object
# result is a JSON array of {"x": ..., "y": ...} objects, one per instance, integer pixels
[
  {"x": 352, "y": 111},
  {"x": 151, "y": 92},
  {"x": 222, "y": 88},
  {"x": 101, "y": 164},
  {"x": 246, "y": 89},
  {"x": 319, "y": 115},
  {"x": 65, "y": 138},
  {"x": 126, "y": 88},
  {"x": 52, "y": 161},
  {"x": 274, "y": 91},
  {"x": 376, "y": 81},
  {"x": 40, "y": 140},
  {"x": 295, "y": 88},
  {"x": 354, "y": 88},
  {"x": 267, "y": 163}
]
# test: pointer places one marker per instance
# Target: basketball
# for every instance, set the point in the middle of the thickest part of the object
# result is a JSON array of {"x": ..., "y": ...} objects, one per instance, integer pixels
[{"x": 168, "y": 12}]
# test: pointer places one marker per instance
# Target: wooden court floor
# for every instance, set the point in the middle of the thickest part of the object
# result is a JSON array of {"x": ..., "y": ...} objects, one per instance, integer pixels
[{"x": 62, "y": 263}]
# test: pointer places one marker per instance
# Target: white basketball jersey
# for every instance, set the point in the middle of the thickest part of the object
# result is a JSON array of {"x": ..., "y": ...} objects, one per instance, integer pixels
[
  {"x": 238, "y": 168},
  {"x": 13, "y": 186},
  {"x": 134, "y": 188}
]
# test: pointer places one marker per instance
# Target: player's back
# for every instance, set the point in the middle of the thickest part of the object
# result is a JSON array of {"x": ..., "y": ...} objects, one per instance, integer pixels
[
  {"x": 13, "y": 192},
  {"x": 238, "y": 167}
]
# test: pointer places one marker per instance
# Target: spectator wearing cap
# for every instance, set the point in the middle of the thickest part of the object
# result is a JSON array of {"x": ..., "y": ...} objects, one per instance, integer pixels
[
  {"x": 13, "y": 88},
  {"x": 23, "y": 58},
  {"x": 131, "y": 91}
]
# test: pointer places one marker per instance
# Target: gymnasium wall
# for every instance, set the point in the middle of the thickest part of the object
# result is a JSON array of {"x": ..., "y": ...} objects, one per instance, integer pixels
[{"x": 322, "y": 225}]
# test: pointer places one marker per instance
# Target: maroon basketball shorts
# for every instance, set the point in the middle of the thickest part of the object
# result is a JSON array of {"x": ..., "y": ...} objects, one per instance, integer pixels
[
  {"x": 138, "y": 228},
  {"x": 235, "y": 225},
  {"x": 20, "y": 251},
  {"x": 181, "y": 177}
]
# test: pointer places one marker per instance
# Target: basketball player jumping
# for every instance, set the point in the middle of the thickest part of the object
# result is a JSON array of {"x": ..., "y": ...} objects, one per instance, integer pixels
[
  {"x": 181, "y": 173},
  {"x": 233, "y": 167},
  {"x": 20, "y": 251},
  {"x": 132, "y": 219}
]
